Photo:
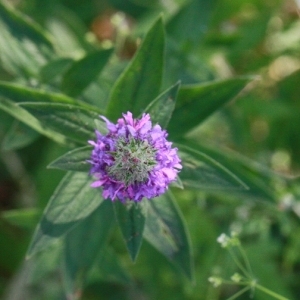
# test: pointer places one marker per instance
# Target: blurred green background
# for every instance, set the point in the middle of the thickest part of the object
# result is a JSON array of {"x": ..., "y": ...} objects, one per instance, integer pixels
[{"x": 206, "y": 40}]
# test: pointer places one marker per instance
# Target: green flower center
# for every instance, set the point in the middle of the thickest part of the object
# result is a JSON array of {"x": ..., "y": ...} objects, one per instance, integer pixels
[{"x": 133, "y": 160}]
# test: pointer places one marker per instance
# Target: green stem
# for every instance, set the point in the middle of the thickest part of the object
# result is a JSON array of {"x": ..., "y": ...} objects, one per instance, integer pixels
[
  {"x": 271, "y": 293},
  {"x": 239, "y": 293},
  {"x": 247, "y": 263},
  {"x": 246, "y": 273}
]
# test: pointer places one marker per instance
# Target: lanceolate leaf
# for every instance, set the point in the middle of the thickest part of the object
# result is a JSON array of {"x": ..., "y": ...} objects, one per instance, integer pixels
[
  {"x": 19, "y": 93},
  {"x": 200, "y": 171},
  {"x": 72, "y": 121},
  {"x": 75, "y": 160},
  {"x": 140, "y": 82},
  {"x": 191, "y": 22},
  {"x": 161, "y": 108},
  {"x": 72, "y": 201},
  {"x": 165, "y": 229},
  {"x": 22, "y": 28},
  {"x": 256, "y": 177},
  {"x": 53, "y": 70},
  {"x": 197, "y": 102},
  {"x": 24, "y": 47},
  {"x": 131, "y": 218},
  {"x": 19, "y": 135},
  {"x": 22, "y": 115},
  {"x": 108, "y": 267},
  {"x": 84, "y": 244},
  {"x": 82, "y": 72}
]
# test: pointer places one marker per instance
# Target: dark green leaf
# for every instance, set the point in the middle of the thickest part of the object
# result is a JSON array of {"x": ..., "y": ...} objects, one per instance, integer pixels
[
  {"x": 256, "y": 177},
  {"x": 166, "y": 230},
  {"x": 109, "y": 268},
  {"x": 22, "y": 115},
  {"x": 191, "y": 22},
  {"x": 72, "y": 121},
  {"x": 72, "y": 201},
  {"x": 43, "y": 264},
  {"x": 131, "y": 218},
  {"x": 19, "y": 135},
  {"x": 19, "y": 93},
  {"x": 197, "y": 102},
  {"x": 22, "y": 27},
  {"x": 75, "y": 160},
  {"x": 140, "y": 82},
  {"x": 161, "y": 108},
  {"x": 82, "y": 72},
  {"x": 54, "y": 69},
  {"x": 79, "y": 256},
  {"x": 24, "y": 47},
  {"x": 200, "y": 171}
]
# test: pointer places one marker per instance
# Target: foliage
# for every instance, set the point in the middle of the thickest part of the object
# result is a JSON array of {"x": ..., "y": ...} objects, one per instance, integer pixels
[{"x": 221, "y": 77}]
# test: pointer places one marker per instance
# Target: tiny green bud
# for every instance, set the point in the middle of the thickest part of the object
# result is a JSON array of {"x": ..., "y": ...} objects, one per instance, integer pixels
[
  {"x": 224, "y": 240},
  {"x": 236, "y": 277},
  {"x": 216, "y": 281}
]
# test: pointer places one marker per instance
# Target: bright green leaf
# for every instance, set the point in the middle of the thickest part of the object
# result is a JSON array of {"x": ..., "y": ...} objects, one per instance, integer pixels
[
  {"x": 140, "y": 82},
  {"x": 166, "y": 230},
  {"x": 197, "y": 102},
  {"x": 131, "y": 218},
  {"x": 72, "y": 201},
  {"x": 75, "y": 160},
  {"x": 23, "y": 218},
  {"x": 82, "y": 72},
  {"x": 161, "y": 108}
]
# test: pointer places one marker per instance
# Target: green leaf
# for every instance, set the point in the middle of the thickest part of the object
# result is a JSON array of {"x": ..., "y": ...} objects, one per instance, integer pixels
[
  {"x": 80, "y": 256},
  {"x": 82, "y": 72},
  {"x": 22, "y": 115},
  {"x": 74, "y": 122},
  {"x": 43, "y": 264},
  {"x": 19, "y": 93},
  {"x": 161, "y": 108},
  {"x": 75, "y": 160},
  {"x": 199, "y": 171},
  {"x": 259, "y": 179},
  {"x": 191, "y": 22},
  {"x": 23, "y": 218},
  {"x": 72, "y": 201},
  {"x": 166, "y": 230},
  {"x": 197, "y": 102},
  {"x": 19, "y": 135},
  {"x": 131, "y": 217},
  {"x": 54, "y": 69},
  {"x": 140, "y": 82},
  {"x": 109, "y": 268},
  {"x": 24, "y": 47}
]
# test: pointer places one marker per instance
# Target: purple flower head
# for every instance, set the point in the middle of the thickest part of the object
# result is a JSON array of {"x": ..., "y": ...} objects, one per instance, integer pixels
[{"x": 133, "y": 160}]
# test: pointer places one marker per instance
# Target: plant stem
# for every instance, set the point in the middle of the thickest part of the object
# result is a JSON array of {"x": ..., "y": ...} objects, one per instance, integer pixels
[
  {"x": 242, "y": 291},
  {"x": 269, "y": 292},
  {"x": 239, "y": 264}
]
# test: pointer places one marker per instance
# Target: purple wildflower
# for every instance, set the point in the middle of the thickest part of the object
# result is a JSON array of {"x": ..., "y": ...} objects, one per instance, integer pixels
[{"x": 133, "y": 160}]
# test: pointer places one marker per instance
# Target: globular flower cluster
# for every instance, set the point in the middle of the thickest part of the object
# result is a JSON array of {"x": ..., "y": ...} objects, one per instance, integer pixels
[{"x": 133, "y": 160}]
